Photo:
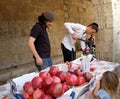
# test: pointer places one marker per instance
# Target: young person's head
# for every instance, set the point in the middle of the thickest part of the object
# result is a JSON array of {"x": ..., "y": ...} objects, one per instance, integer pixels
[
  {"x": 109, "y": 82},
  {"x": 92, "y": 28},
  {"x": 46, "y": 18}
]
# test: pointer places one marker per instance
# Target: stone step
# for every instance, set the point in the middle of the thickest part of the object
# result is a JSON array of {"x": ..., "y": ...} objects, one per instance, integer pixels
[{"x": 17, "y": 71}]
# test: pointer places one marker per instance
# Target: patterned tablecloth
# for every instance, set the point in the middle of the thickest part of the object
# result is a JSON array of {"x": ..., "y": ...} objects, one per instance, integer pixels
[{"x": 100, "y": 67}]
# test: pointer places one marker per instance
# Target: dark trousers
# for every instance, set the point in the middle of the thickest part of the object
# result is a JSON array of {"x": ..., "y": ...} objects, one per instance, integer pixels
[{"x": 67, "y": 54}]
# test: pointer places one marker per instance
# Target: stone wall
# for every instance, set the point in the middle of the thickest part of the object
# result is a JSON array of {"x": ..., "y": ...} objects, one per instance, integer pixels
[
  {"x": 116, "y": 30},
  {"x": 104, "y": 38},
  {"x": 18, "y": 16},
  {"x": 108, "y": 39}
]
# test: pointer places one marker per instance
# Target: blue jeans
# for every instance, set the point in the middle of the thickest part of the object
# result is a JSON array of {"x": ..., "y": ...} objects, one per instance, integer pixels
[{"x": 47, "y": 62}]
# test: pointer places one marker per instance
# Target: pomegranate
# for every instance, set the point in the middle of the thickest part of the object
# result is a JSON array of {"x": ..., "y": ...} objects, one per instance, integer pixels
[
  {"x": 56, "y": 89},
  {"x": 48, "y": 90},
  {"x": 71, "y": 80},
  {"x": 30, "y": 90},
  {"x": 81, "y": 80},
  {"x": 92, "y": 69},
  {"x": 53, "y": 70},
  {"x": 78, "y": 72},
  {"x": 56, "y": 79},
  {"x": 27, "y": 85},
  {"x": 26, "y": 95},
  {"x": 65, "y": 87},
  {"x": 47, "y": 96},
  {"x": 88, "y": 76},
  {"x": 37, "y": 82},
  {"x": 31, "y": 97},
  {"x": 38, "y": 93},
  {"x": 62, "y": 75},
  {"x": 47, "y": 81},
  {"x": 68, "y": 74},
  {"x": 44, "y": 74}
]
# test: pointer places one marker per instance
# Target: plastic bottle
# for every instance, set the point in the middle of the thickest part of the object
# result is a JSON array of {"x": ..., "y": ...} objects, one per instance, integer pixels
[{"x": 85, "y": 63}]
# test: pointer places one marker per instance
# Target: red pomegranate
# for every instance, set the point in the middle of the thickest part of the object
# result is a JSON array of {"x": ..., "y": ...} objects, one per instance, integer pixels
[
  {"x": 81, "y": 80},
  {"x": 71, "y": 80},
  {"x": 37, "y": 82},
  {"x": 53, "y": 70},
  {"x": 44, "y": 74},
  {"x": 38, "y": 93},
  {"x": 56, "y": 89},
  {"x": 62, "y": 75},
  {"x": 27, "y": 85}
]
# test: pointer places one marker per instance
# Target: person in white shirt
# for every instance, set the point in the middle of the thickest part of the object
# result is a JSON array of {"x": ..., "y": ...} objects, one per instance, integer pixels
[{"x": 75, "y": 31}]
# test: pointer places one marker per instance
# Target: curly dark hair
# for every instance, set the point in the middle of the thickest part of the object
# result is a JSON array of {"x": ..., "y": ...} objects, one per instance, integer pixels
[{"x": 42, "y": 20}]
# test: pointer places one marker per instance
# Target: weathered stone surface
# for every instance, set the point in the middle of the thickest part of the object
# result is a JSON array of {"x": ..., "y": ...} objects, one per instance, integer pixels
[{"x": 17, "y": 18}]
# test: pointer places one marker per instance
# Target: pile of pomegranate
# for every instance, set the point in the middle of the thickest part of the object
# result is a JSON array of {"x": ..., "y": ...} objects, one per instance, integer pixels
[{"x": 53, "y": 83}]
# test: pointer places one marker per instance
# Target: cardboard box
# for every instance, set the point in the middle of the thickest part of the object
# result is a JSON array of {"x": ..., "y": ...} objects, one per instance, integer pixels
[
  {"x": 19, "y": 82},
  {"x": 80, "y": 92}
]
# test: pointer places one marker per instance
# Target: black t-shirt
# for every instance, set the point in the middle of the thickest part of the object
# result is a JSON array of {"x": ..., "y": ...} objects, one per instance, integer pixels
[{"x": 42, "y": 43}]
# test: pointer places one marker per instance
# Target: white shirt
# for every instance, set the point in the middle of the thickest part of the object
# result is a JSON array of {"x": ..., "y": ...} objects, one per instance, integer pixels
[{"x": 77, "y": 28}]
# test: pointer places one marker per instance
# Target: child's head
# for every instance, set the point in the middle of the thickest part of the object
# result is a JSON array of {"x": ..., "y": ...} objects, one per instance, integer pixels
[
  {"x": 109, "y": 82},
  {"x": 117, "y": 71}
]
